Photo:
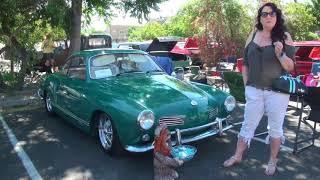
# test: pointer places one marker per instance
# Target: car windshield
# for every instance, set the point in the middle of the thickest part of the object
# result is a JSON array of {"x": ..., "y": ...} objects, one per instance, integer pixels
[{"x": 108, "y": 65}]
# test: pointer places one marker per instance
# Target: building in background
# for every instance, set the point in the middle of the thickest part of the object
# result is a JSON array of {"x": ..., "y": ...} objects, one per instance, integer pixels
[{"x": 119, "y": 33}]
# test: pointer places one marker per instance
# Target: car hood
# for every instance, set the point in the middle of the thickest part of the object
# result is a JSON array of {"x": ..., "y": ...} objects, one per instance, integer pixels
[
  {"x": 166, "y": 96},
  {"x": 154, "y": 91}
]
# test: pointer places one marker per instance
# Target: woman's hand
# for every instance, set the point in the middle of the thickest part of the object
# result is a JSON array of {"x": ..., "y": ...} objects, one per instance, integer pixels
[{"x": 278, "y": 48}]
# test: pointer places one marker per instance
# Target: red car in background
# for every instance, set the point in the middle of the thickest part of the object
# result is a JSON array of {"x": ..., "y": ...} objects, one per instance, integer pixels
[{"x": 307, "y": 52}]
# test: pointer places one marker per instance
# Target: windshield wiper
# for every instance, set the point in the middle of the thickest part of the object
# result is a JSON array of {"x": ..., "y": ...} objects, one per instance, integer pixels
[
  {"x": 128, "y": 72},
  {"x": 153, "y": 71},
  {"x": 132, "y": 71}
]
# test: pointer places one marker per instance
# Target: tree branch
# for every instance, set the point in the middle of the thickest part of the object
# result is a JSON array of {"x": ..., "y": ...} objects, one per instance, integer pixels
[{"x": 5, "y": 48}]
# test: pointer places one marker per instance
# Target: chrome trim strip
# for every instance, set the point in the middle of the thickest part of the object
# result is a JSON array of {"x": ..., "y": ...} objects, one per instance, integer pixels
[
  {"x": 172, "y": 120},
  {"x": 73, "y": 116},
  {"x": 206, "y": 134}
]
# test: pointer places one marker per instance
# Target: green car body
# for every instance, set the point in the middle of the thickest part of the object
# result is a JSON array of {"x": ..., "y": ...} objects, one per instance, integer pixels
[{"x": 191, "y": 111}]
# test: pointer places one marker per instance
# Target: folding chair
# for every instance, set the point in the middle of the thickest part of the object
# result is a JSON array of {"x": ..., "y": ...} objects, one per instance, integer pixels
[
  {"x": 312, "y": 79},
  {"x": 197, "y": 75},
  {"x": 214, "y": 78},
  {"x": 195, "y": 70},
  {"x": 312, "y": 98},
  {"x": 179, "y": 73}
]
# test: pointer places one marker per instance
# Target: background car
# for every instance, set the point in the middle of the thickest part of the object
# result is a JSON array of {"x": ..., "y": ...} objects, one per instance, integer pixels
[
  {"x": 61, "y": 52},
  {"x": 135, "y": 45},
  {"x": 307, "y": 53},
  {"x": 122, "y": 95}
]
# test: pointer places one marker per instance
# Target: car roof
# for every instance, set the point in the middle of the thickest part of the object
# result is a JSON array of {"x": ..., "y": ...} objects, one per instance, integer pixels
[
  {"x": 92, "y": 52},
  {"x": 142, "y": 45},
  {"x": 307, "y": 43},
  {"x": 161, "y": 45},
  {"x": 137, "y": 43}
]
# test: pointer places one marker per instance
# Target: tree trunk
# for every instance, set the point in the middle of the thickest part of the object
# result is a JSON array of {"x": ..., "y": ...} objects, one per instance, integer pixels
[
  {"x": 75, "y": 26},
  {"x": 12, "y": 66},
  {"x": 2, "y": 84},
  {"x": 23, "y": 69},
  {"x": 22, "y": 55}
]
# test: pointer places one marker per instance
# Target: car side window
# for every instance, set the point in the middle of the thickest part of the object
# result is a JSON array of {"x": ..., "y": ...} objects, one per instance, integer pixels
[
  {"x": 66, "y": 67},
  {"x": 77, "y": 68}
]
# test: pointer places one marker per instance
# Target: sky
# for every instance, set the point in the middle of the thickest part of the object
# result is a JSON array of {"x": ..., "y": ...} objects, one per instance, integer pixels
[{"x": 167, "y": 9}]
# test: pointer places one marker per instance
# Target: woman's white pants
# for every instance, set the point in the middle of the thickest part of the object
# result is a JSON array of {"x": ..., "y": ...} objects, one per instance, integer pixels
[{"x": 258, "y": 103}]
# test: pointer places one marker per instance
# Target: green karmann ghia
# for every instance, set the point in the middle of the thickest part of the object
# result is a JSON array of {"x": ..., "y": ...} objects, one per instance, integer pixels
[{"x": 120, "y": 96}]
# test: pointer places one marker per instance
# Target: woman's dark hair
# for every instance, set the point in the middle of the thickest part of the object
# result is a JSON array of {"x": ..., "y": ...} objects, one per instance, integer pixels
[{"x": 278, "y": 31}]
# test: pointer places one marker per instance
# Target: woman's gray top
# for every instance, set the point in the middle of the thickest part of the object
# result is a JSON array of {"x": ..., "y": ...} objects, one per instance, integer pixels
[{"x": 263, "y": 65}]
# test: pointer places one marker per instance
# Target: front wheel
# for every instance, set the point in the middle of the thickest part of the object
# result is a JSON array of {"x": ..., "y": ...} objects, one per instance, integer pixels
[
  {"x": 108, "y": 136},
  {"x": 48, "y": 104}
]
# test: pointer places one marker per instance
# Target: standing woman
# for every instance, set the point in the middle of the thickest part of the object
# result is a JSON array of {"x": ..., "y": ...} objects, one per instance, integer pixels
[
  {"x": 48, "y": 49},
  {"x": 268, "y": 54}
]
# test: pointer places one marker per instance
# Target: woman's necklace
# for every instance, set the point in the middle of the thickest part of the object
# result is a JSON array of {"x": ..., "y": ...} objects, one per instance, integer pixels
[{"x": 263, "y": 40}]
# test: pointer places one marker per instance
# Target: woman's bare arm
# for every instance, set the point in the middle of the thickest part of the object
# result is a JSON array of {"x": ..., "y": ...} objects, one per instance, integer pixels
[
  {"x": 286, "y": 62},
  {"x": 244, "y": 67}
]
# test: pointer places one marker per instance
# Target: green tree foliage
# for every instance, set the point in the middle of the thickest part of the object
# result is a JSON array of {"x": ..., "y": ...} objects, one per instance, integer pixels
[
  {"x": 147, "y": 32},
  {"x": 24, "y": 22},
  {"x": 22, "y": 25},
  {"x": 181, "y": 24},
  {"x": 315, "y": 10},
  {"x": 136, "y": 8},
  {"x": 57, "y": 13},
  {"x": 223, "y": 27},
  {"x": 237, "y": 22},
  {"x": 300, "y": 21}
]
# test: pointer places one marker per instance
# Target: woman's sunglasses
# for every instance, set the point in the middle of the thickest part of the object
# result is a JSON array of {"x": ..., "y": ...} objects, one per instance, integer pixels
[{"x": 271, "y": 14}]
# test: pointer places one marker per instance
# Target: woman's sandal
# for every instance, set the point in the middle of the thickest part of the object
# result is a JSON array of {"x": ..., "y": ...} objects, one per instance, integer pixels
[
  {"x": 271, "y": 168},
  {"x": 231, "y": 161}
]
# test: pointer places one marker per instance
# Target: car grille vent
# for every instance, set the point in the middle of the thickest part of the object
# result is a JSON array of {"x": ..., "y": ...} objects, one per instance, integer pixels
[
  {"x": 172, "y": 121},
  {"x": 213, "y": 113}
]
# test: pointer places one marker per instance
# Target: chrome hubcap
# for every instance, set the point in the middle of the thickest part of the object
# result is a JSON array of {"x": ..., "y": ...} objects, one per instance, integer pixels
[
  {"x": 48, "y": 104},
  {"x": 105, "y": 132}
]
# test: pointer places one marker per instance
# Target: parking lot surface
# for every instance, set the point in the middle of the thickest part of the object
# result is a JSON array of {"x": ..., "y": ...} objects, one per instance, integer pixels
[{"x": 58, "y": 150}]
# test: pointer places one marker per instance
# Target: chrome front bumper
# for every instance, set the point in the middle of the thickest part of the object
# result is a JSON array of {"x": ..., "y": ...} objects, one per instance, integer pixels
[{"x": 217, "y": 127}]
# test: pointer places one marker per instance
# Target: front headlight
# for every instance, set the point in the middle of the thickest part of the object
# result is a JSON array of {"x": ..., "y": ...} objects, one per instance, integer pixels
[
  {"x": 146, "y": 119},
  {"x": 230, "y": 103}
]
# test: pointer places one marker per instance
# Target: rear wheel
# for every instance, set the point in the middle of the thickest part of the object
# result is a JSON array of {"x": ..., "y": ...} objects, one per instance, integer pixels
[{"x": 107, "y": 134}]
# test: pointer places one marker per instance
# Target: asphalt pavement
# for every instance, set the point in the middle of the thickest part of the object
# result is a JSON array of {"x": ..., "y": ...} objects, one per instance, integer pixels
[{"x": 58, "y": 150}]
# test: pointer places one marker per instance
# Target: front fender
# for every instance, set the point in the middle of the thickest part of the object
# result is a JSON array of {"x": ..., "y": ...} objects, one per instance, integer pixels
[
  {"x": 49, "y": 85},
  {"x": 218, "y": 95},
  {"x": 124, "y": 114}
]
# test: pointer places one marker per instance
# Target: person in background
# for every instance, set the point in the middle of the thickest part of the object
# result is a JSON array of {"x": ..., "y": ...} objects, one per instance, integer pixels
[
  {"x": 48, "y": 49},
  {"x": 268, "y": 54}
]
